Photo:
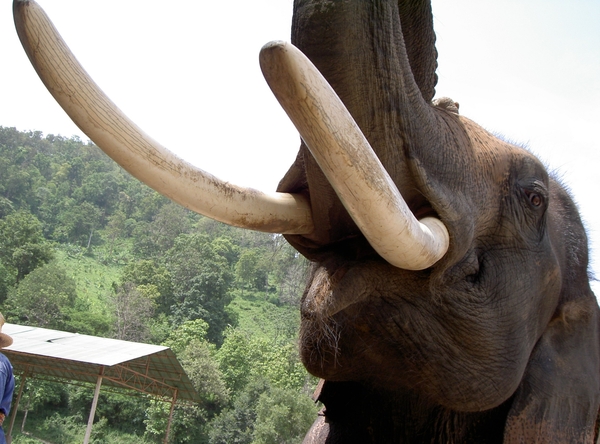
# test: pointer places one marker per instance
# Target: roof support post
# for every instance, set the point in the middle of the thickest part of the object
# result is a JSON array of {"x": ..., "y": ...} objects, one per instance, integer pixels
[
  {"x": 166, "y": 441},
  {"x": 88, "y": 430},
  {"x": 15, "y": 407}
]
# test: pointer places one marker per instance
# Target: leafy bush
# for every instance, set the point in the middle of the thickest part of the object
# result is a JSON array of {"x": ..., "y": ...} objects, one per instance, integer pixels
[
  {"x": 244, "y": 357},
  {"x": 264, "y": 414},
  {"x": 43, "y": 298},
  {"x": 283, "y": 416},
  {"x": 22, "y": 244}
]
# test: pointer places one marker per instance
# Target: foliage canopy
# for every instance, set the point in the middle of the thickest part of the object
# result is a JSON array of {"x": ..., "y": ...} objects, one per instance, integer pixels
[{"x": 86, "y": 248}]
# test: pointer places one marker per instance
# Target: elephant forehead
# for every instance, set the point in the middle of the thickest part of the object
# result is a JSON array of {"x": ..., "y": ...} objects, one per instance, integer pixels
[{"x": 490, "y": 153}]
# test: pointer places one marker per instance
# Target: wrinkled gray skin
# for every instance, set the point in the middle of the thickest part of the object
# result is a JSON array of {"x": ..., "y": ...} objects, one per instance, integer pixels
[{"x": 498, "y": 341}]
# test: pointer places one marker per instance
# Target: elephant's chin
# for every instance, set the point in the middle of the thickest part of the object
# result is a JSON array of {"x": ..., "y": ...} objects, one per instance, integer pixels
[
  {"x": 332, "y": 289},
  {"x": 337, "y": 290}
]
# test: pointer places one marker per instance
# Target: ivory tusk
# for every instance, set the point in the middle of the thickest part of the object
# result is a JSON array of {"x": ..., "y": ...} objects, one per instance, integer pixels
[
  {"x": 349, "y": 163},
  {"x": 136, "y": 152}
]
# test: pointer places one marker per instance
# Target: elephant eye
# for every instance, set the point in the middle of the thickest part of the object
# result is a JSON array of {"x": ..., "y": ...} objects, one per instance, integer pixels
[{"x": 535, "y": 199}]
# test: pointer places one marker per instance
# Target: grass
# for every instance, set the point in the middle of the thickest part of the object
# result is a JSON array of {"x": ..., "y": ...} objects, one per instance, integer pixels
[
  {"x": 260, "y": 317},
  {"x": 94, "y": 280}
]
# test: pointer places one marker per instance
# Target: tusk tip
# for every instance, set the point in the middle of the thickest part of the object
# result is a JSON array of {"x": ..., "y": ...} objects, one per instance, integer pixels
[
  {"x": 274, "y": 44},
  {"x": 439, "y": 236}
]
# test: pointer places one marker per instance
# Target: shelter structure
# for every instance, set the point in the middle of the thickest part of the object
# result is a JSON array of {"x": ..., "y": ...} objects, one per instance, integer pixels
[{"x": 70, "y": 357}]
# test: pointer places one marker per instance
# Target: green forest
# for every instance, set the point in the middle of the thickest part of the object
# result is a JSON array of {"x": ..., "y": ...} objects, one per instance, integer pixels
[{"x": 86, "y": 248}]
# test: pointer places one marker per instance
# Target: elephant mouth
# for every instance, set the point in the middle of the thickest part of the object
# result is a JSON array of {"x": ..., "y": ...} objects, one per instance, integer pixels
[
  {"x": 337, "y": 284},
  {"x": 341, "y": 277}
]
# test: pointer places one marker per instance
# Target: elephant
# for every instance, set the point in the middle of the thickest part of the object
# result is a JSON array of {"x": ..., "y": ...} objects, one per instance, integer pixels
[{"x": 449, "y": 299}]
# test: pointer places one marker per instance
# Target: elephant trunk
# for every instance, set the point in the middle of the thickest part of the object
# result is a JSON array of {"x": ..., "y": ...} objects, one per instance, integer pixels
[{"x": 360, "y": 48}]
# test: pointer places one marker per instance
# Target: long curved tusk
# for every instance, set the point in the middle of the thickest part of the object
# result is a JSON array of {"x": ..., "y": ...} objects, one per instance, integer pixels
[
  {"x": 349, "y": 163},
  {"x": 144, "y": 158}
]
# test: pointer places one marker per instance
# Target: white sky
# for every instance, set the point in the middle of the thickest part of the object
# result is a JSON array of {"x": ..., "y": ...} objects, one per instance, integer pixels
[{"x": 187, "y": 72}]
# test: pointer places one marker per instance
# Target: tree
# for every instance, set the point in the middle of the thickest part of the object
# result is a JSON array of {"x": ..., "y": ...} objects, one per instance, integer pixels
[
  {"x": 243, "y": 357},
  {"x": 187, "y": 332},
  {"x": 159, "y": 236},
  {"x": 115, "y": 229},
  {"x": 43, "y": 297},
  {"x": 78, "y": 223},
  {"x": 148, "y": 272},
  {"x": 201, "y": 280},
  {"x": 133, "y": 306},
  {"x": 279, "y": 361},
  {"x": 22, "y": 244},
  {"x": 274, "y": 413},
  {"x": 196, "y": 357},
  {"x": 6, "y": 207},
  {"x": 263, "y": 413},
  {"x": 8, "y": 278},
  {"x": 100, "y": 189},
  {"x": 224, "y": 246},
  {"x": 20, "y": 176},
  {"x": 252, "y": 269},
  {"x": 234, "y": 358},
  {"x": 82, "y": 319},
  {"x": 117, "y": 407},
  {"x": 203, "y": 370},
  {"x": 41, "y": 395},
  {"x": 291, "y": 274},
  {"x": 236, "y": 425}
]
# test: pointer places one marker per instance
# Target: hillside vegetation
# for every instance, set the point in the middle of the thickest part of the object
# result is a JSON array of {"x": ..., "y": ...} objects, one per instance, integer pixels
[{"x": 86, "y": 248}]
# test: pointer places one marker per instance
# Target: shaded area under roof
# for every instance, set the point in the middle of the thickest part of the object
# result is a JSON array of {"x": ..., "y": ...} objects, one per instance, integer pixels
[{"x": 151, "y": 369}]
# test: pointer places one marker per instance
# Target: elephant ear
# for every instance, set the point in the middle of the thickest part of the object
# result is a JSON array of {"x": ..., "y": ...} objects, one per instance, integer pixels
[
  {"x": 557, "y": 400},
  {"x": 419, "y": 38}
]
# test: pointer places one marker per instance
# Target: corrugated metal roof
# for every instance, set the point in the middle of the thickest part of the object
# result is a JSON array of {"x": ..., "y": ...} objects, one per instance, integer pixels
[{"x": 147, "y": 368}]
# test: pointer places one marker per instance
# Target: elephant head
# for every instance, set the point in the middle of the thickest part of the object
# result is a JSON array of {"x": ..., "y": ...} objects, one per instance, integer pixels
[{"x": 449, "y": 299}]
